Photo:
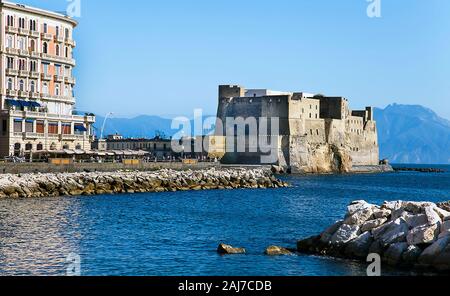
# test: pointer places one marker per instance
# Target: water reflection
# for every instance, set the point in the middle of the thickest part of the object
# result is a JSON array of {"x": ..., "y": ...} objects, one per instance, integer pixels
[{"x": 37, "y": 235}]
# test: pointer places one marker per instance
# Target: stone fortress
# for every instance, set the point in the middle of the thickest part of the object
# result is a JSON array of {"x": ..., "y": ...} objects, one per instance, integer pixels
[{"x": 316, "y": 133}]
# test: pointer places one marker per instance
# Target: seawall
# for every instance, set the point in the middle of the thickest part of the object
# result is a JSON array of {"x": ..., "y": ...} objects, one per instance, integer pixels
[{"x": 96, "y": 183}]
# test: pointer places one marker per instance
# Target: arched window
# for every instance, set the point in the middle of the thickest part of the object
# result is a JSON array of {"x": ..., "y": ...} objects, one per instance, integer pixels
[
  {"x": 21, "y": 43},
  {"x": 21, "y": 85},
  {"x": 45, "y": 88},
  {"x": 17, "y": 146},
  {"x": 32, "y": 86},
  {"x": 9, "y": 42},
  {"x": 67, "y": 33},
  {"x": 45, "y": 47},
  {"x": 10, "y": 83},
  {"x": 32, "y": 45},
  {"x": 28, "y": 147},
  {"x": 66, "y": 91},
  {"x": 39, "y": 147},
  {"x": 78, "y": 147},
  {"x": 57, "y": 92},
  {"x": 53, "y": 146}
]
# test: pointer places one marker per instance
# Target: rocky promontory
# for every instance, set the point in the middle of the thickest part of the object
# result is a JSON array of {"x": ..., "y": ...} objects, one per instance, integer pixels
[
  {"x": 75, "y": 184},
  {"x": 404, "y": 234}
]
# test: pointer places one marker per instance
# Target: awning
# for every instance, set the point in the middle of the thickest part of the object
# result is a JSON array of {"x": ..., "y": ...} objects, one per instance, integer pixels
[
  {"x": 13, "y": 103},
  {"x": 35, "y": 104},
  {"x": 80, "y": 128},
  {"x": 29, "y": 121}
]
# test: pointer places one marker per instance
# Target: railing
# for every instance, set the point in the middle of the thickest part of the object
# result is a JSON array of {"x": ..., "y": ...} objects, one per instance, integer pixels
[
  {"x": 47, "y": 56},
  {"x": 11, "y": 50},
  {"x": 42, "y": 115},
  {"x": 33, "y": 135},
  {"x": 34, "y": 75},
  {"x": 12, "y": 30},
  {"x": 46, "y": 36},
  {"x": 35, "y": 34},
  {"x": 35, "y": 95},
  {"x": 12, "y": 93},
  {"x": 24, "y": 32},
  {"x": 58, "y": 78},
  {"x": 70, "y": 80},
  {"x": 23, "y": 94},
  {"x": 70, "y": 42},
  {"x": 13, "y": 72},
  {"x": 58, "y": 39},
  {"x": 23, "y": 73},
  {"x": 46, "y": 76}
]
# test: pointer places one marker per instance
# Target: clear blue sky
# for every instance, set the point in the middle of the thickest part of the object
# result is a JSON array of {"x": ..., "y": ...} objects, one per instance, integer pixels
[{"x": 167, "y": 57}]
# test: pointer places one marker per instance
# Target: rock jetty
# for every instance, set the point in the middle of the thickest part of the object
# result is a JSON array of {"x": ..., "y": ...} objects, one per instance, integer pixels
[
  {"x": 75, "y": 184},
  {"x": 404, "y": 234}
]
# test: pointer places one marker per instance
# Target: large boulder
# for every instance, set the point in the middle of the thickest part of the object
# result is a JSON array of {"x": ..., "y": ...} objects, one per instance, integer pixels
[
  {"x": 416, "y": 220},
  {"x": 372, "y": 224},
  {"x": 445, "y": 215},
  {"x": 432, "y": 216},
  {"x": 359, "y": 217},
  {"x": 326, "y": 236},
  {"x": 393, "y": 254},
  {"x": 358, "y": 206},
  {"x": 424, "y": 234},
  {"x": 393, "y": 232},
  {"x": 430, "y": 254},
  {"x": 277, "y": 251},
  {"x": 345, "y": 233},
  {"x": 227, "y": 249},
  {"x": 359, "y": 247},
  {"x": 382, "y": 213},
  {"x": 392, "y": 205}
]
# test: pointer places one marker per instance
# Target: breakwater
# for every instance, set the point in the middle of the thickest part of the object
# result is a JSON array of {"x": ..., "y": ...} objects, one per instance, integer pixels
[
  {"x": 95, "y": 183},
  {"x": 404, "y": 234}
]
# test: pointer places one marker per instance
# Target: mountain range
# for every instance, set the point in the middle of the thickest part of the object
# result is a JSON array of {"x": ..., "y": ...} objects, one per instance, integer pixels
[{"x": 407, "y": 133}]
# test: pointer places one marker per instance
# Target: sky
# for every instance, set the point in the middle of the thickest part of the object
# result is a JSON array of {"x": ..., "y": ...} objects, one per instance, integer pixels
[{"x": 168, "y": 57}]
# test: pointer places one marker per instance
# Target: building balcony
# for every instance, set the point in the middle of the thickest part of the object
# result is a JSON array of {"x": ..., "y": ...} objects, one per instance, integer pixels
[
  {"x": 11, "y": 30},
  {"x": 23, "y": 73},
  {"x": 47, "y": 77},
  {"x": 12, "y": 72},
  {"x": 11, "y": 93},
  {"x": 34, "y": 54},
  {"x": 24, "y": 32},
  {"x": 58, "y": 78},
  {"x": 33, "y": 136},
  {"x": 68, "y": 137},
  {"x": 70, "y": 42},
  {"x": 35, "y": 95},
  {"x": 35, "y": 34},
  {"x": 23, "y": 94},
  {"x": 24, "y": 53},
  {"x": 61, "y": 99},
  {"x": 59, "y": 39},
  {"x": 70, "y": 80},
  {"x": 34, "y": 75},
  {"x": 11, "y": 50},
  {"x": 52, "y": 117},
  {"x": 46, "y": 36},
  {"x": 49, "y": 57}
]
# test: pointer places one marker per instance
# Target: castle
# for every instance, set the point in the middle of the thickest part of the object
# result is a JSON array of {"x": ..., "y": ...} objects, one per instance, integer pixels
[{"x": 316, "y": 133}]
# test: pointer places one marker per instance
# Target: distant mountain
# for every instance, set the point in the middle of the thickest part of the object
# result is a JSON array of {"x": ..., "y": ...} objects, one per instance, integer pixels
[
  {"x": 413, "y": 134},
  {"x": 407, "y": 133}
]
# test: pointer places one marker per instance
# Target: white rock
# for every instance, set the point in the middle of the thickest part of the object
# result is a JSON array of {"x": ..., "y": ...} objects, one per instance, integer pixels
[
  {"x": 383, "y": 213},
  {"x": 372, "y": 224},
  {"x": 417, "y": 207},
  {"x": 394, "y": 253},
  {"x": 359, "y": 217},
  {"x": 396, "y": 233},
  {"x": 424, "y": 234},
  {"x": 392, "y": 205},
  {"x": 326, "y": 236},
  {"x": 357, "y": 206},
  {"x": 445, "y": 215},
  {"x": 345, "y": 233},
  {"x": 432, "y": 215}
]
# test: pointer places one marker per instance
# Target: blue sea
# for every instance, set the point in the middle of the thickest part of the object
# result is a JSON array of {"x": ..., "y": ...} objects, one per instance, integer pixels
[{"x": 161, "y": 234}]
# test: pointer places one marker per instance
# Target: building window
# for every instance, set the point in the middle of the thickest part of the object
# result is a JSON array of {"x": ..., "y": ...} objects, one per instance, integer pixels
[
  {"x": 32, "y": 86},
  {"x": 33, "y": 66},
  {"x": 40, "y": 127},
  {"x": 45, "y": 28},
  {"x": 45, "y": 47},
  {"x": 21, "y": 85},
  {"x": 21, "y": 43},
  {"x": 22, "y": 23},
  {"x": 57, "y": 93},
  {"x": 53, "y": 128},
  {"x": 67, "y": 129},
  {"x": 32, "y": 25},
  {"x": 45, "y": 68},
  {"x": 10, "y": 21},
  {"x": 17, "y": 146},
  {"x": 57, "y": 49},
  {"x": 10, "y": 83},
  {"x": 4, "y": 126},
  {"x": 9, "y": 41},
  {"x": 28, "y": 147},
  {"x": 45, "y": 88},
  {"x": 10, "y": 63},
  {"x": 67, "y": 52},
  {"x": 78, "y": 147},
  {"x": 32, "y": 45},
  {"x": 39, "y": 147},
  {"x": 67, "y": 33},
  {"x": 22, "y": 65},
  {"x": 17, "y": 126},
  {"x": 66, "y": 91}
]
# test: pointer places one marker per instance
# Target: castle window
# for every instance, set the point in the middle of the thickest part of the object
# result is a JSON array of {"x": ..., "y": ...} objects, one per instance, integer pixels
[
  {"x": 311, "y": 132},
  {"x": 317, "y": 132}
]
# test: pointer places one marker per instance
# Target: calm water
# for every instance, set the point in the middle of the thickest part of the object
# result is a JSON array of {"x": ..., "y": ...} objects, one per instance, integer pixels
[{"x": 177, "y": 233}]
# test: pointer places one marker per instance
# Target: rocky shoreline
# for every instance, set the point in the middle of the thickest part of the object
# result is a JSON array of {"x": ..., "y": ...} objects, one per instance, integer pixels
[
  {"x": 76, "y": 184},
  {"x": 404, "y": 234}
]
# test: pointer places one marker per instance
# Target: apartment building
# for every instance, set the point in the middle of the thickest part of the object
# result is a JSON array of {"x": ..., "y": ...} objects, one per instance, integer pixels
[{"x": 37, "y": 102}]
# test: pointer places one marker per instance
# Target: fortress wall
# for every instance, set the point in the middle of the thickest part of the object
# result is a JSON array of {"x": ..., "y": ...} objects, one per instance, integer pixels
[{"x": 315, "y": 131}]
